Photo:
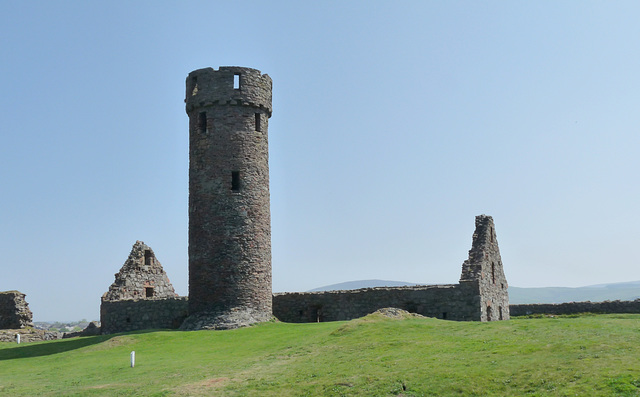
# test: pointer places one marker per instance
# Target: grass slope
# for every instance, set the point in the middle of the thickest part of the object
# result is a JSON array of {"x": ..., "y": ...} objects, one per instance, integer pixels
[{"x": 372, "y": 356}]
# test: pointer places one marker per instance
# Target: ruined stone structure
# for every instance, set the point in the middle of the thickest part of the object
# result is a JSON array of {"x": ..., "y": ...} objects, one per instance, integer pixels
[
  {"x": 133, "y": 315},
  {"x": 141, "y": 297},
  {"x": 141, "y": 277},
  {"x": 229, "y": 214},
  {"x": 230, "y": 236},
  {"x": 616, "y": 306},
  {"x": 14, "y": 311},
  {"x": 481, "y": 294}
]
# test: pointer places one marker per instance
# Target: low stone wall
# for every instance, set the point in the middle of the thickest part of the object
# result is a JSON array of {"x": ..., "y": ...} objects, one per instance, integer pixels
[
  {"x": 133, "y": 315},
  {"x": 452, "y": 302},
  {"x": 28, "y": 335},
  {"x": 14, "y": 311},
  {"x": 577, "y": 307}
]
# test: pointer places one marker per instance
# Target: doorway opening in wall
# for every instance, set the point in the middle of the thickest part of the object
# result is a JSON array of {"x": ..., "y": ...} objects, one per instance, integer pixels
[
  {"x": 148, "y": 292},
  {"x": 500, "y": 312},
  {"x": 316, "y": 314},
  {"x": 488, "y": 313},
  {"x": 444, "y": 315}
]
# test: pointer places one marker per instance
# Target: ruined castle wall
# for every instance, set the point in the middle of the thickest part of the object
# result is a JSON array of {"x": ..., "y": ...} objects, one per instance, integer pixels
[
  {"x": 577, "y": 307},
  {"x": 485, "y": 266},
  {"x": 14, "y": 311},
  {"x": 133, "y": 315},
  {"x": 28, "y": 335},
  {"x": 141, "y": 277},
  {"x": 452, "y": 302}
]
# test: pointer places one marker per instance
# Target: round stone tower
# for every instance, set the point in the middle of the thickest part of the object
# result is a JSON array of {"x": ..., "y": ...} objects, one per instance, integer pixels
[{"x": 229, "y": 215}]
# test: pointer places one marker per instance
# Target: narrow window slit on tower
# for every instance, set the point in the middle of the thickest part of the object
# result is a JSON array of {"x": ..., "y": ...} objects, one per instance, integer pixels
[
  {"x": 235, "y": 181},
  {"x": 148, "y": 292},
  {"x": 258, "y": 127},
  {"x": 202, "y": 121},
  {"x": 236, "y": 81}
]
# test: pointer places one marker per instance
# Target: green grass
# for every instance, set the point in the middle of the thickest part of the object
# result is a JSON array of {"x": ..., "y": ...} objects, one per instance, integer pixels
[{"x": 373, "y": 356}]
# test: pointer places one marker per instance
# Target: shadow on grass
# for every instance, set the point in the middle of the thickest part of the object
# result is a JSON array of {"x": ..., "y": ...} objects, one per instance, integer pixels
[{"x": 58, "y": 346}]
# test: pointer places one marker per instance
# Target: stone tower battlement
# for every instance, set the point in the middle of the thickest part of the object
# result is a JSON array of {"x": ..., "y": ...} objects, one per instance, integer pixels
[{"x": 229, "y": 85}]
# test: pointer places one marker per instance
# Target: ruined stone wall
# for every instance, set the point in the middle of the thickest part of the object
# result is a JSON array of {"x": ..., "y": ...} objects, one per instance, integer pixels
[
  {"x": 14, "y": 311},
  {"x": 141, "y": 277},
  {"x": 452, "y": 302},
  {"x": 133, "y": 315},
  {"x": 484, "y": 265},
  {"x": 577, "y": 307},
  {"x": 229, "y": 213},
  {"x": 481, "y": 294},
  {"x": 28, "y": 335}
]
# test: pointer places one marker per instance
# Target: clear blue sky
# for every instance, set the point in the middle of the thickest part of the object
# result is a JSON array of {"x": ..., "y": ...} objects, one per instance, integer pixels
[{"x": 394, "y": 124}]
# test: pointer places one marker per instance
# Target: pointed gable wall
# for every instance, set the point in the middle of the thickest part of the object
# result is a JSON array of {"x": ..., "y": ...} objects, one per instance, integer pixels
[
  {"x": 141, "y": 277},
  {"x": 484, "y": 267}
]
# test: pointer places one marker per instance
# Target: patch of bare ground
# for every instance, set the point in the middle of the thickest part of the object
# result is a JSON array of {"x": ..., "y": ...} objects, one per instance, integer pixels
[{"x": 201, "y": 388}]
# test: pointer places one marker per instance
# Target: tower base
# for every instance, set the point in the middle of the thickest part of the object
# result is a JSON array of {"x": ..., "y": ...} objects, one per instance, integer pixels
[{"x": 235, "y": 318}]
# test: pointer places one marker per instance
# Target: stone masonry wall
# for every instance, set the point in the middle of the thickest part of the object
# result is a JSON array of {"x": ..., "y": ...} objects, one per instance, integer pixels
[
  {"x": 133, "y": 315},
  {"x": 451, "y": 302},
  {"x": 14, "y": 311},
  {"x": 481, "y": 294},
  {"x": 485, "y": 267},
  {"x": 577, "y": 307},
  {"x": 229, "y": 211},
  {"x": 141, "y": 276},
  {"x": 28, "y": 335}
]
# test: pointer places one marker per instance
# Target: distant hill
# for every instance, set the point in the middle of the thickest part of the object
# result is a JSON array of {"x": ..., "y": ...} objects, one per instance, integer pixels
[
  {"x": 361, "y": 284},
  {"x": 626, "y": 291},
  {"x": 517, "y": 295}
]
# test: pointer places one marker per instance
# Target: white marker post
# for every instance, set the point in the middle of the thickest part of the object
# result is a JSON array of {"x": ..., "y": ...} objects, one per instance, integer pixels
[
  {"x": 18, "y": 338},
  {"x": 133, "y": 359}
]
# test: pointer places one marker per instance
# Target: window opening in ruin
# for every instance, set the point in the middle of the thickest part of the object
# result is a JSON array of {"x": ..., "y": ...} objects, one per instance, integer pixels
[
  {"x": 488, "y": 313},
  {"x": 128, "y": 319},
  {"x": 235, "y": 181},
  {"x": 194, "y": 84},
  {"x": 444, "y": 315},
  {"x": 258, "y": 127},
  {"x": 493, "y": 272},
  {"x": 148, "y": 292},
  {"x": 147, "y": 257},
  {"x": 236, "y": 81},
  {"x": 202, "y": 121},
  {"x": 500, "y": 312}
]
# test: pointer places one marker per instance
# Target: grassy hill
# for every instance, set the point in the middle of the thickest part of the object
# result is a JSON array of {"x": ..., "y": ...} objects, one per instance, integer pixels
[{"x": 371, "y": 356}]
